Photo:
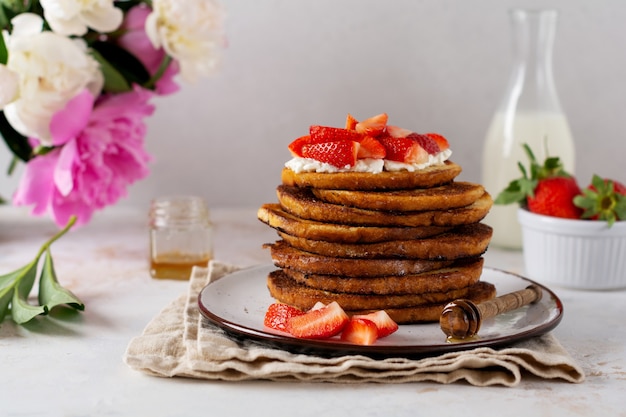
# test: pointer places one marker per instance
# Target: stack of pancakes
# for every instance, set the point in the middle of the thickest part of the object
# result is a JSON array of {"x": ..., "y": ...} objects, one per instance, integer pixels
[{"x": 404, "y": 242}]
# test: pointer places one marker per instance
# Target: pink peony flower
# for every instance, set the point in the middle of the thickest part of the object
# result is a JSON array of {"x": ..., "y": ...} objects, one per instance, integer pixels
[
  {"x": 102, "y": 154},
  {"x": 135, "y": 41}
]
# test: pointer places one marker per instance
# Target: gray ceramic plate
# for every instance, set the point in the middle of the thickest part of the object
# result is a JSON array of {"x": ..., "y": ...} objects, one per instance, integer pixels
[{"x": 237, "y": 304}]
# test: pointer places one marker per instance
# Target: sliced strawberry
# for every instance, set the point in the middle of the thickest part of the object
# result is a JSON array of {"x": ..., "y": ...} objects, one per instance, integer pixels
[
  {"x": 425, "y": 142},
  {"x": 295, "y": 147},
  {"x": 318, "y": 305},
  {"x": 371, "y": 148},
  {"x": 373, "y": 126},
  {"x": 398, "y": 132},
  {"x": 360, "y": 331},
  {"x": 327, "y": 133},
  {"x": 340, "y": 153},
  {"x": 351, "y": 122},
  {"x": 384, "y": 323},
  {"x": 322, "y": 323},
  {"x": 278, "y": 314},
  {"x": 441, "y": 141},
  {"x": 403, "y": 150}
]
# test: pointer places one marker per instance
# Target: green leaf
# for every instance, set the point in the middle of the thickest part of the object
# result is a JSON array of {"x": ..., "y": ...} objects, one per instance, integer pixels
[
  {"x": 7, "y": 287},
  {"x": 51, "y": 293},
  {"x": 21, "y": 310},
  {"x": 4, "y": 54},
  {"x": 122, "y": 63},
  {"x": 114, "y": 81}
]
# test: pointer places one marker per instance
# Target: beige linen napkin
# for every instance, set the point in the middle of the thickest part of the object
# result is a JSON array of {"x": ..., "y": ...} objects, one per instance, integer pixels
[{"x": 180, "y": 342}]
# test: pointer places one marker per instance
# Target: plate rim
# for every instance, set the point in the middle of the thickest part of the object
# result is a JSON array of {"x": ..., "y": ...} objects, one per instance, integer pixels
[{"x": 334, "y": 347}]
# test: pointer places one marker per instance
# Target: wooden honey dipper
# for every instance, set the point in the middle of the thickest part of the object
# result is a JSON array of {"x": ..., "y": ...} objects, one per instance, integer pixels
[{"x": 462, "y": 318}]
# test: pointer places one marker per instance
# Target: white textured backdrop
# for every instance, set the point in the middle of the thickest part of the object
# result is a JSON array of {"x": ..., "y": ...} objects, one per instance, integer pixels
[{"x": 436, "y": 65}]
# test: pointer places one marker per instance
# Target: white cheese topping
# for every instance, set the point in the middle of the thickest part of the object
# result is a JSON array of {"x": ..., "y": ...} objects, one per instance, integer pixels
[{"x": 373, "y": 166}]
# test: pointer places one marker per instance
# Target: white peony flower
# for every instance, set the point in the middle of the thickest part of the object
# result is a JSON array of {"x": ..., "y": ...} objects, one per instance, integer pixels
[
  {"x": 74, "y": 17},
  {"x": 190, "y": 32},
  {"x": 52, "y": 69},
  {"x": 9, "y": 86}
]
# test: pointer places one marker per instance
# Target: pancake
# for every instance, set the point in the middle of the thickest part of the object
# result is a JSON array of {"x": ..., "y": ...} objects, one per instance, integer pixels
[
  {"x": 302, "y": 203},
  {"x": 286, "y": 290},
  {"x": 479, "y": 292},
  {"x": 387, "y": 180},
  {"x": 444, "y": 197},
  {"x": 460, "y": 275},
  {"x": 274, "y": 216},
  {"x": 286, "y": 256},
  {"x": 462, "y": 242}
]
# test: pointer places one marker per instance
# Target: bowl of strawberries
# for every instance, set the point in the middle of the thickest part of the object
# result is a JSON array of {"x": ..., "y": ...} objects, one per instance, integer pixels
[{"x": 572, "y": 236}]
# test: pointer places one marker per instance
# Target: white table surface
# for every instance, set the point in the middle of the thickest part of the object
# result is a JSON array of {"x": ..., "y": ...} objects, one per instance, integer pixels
[{"x": 72, "y": 366}]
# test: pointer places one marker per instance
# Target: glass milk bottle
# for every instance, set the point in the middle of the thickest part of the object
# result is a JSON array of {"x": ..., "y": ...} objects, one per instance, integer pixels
[{"x": 529, "y": 113}]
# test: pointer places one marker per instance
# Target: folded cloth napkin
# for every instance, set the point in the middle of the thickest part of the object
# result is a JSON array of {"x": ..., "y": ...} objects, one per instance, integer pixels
[{"x": 180, "y": 342}]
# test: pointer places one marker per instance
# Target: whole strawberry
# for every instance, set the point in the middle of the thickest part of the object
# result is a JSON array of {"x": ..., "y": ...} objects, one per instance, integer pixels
[
  {"x": 547, "y": 190},
  {"x": 603, "y": 199},
  {"x": 554, "y": 197}
]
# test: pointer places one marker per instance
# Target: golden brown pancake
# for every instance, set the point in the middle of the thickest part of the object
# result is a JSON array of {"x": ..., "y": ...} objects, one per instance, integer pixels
[
  {"x": 460, "y": 275},
  {"x": 287, "y": 290},
  {"x": 444, "y": 197},
  {"x": 274, "y": 216},
  {"x": 286, "y": 256},
  {"x": 462, "y": 242},
  {"x": 479, "y": 292},
  {"x": 387, "y": 180},
  {"x": 302, "y": 203}
]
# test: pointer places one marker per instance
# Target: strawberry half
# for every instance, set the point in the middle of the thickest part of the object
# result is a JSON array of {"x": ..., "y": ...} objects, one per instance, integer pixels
[
  {"x": 360, "y": 331},
  {"x": 373, "y": 126},
  {"x": 322, "y": 323},
  {"x": 398, "y": 132},
  {"x": 442, "y": 142},
  {"x": 371, "y": 148},
  {"x": 603, "y": 199},
  {"x": 340, "y": 153},
  {"x": 327, "y": 133},
  {"x": 295, "y": 147},
  {"x": 403, "y": 150},
  {"x": 351, "y": 122},
  {"x": 384, "y": 323},
  {"x": 425, "y": 142},
  {"x": 278, "y": 314}
]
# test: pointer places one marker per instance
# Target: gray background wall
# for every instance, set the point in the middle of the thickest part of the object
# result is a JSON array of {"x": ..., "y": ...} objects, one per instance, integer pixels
[{"x": 432, "y": 65}]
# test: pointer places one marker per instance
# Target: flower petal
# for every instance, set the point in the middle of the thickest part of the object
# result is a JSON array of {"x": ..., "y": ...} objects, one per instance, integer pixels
[{"x": 70, "y": 121}]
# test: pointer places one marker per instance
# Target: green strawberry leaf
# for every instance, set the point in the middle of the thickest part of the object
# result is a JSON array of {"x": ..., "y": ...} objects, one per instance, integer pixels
[
  {"x": 521, "y": 188},
  {"x": 51, "y": 293},
  {"x": 601, "y": 201}
]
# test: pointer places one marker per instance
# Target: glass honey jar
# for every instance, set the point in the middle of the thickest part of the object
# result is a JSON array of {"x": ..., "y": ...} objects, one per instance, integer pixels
[{"x": 180, "y": 236}]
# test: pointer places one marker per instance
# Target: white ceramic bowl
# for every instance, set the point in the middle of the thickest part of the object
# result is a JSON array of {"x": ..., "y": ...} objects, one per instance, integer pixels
[{"x": 580, "y": 254}]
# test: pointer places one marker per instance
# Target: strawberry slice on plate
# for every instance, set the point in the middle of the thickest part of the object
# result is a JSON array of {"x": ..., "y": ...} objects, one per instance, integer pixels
[
  {"x": 322, "y": 323},
  {"x": 373, "y": 126},
  {"x": 403, "y": 150},
  {"x": 384, "y": 323},
  {"x": 360, "y": 331},
  {"x": 278, "y": 314},
  {"x": 326, "y": 133},
  {"x": 339, "y": 153}
]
